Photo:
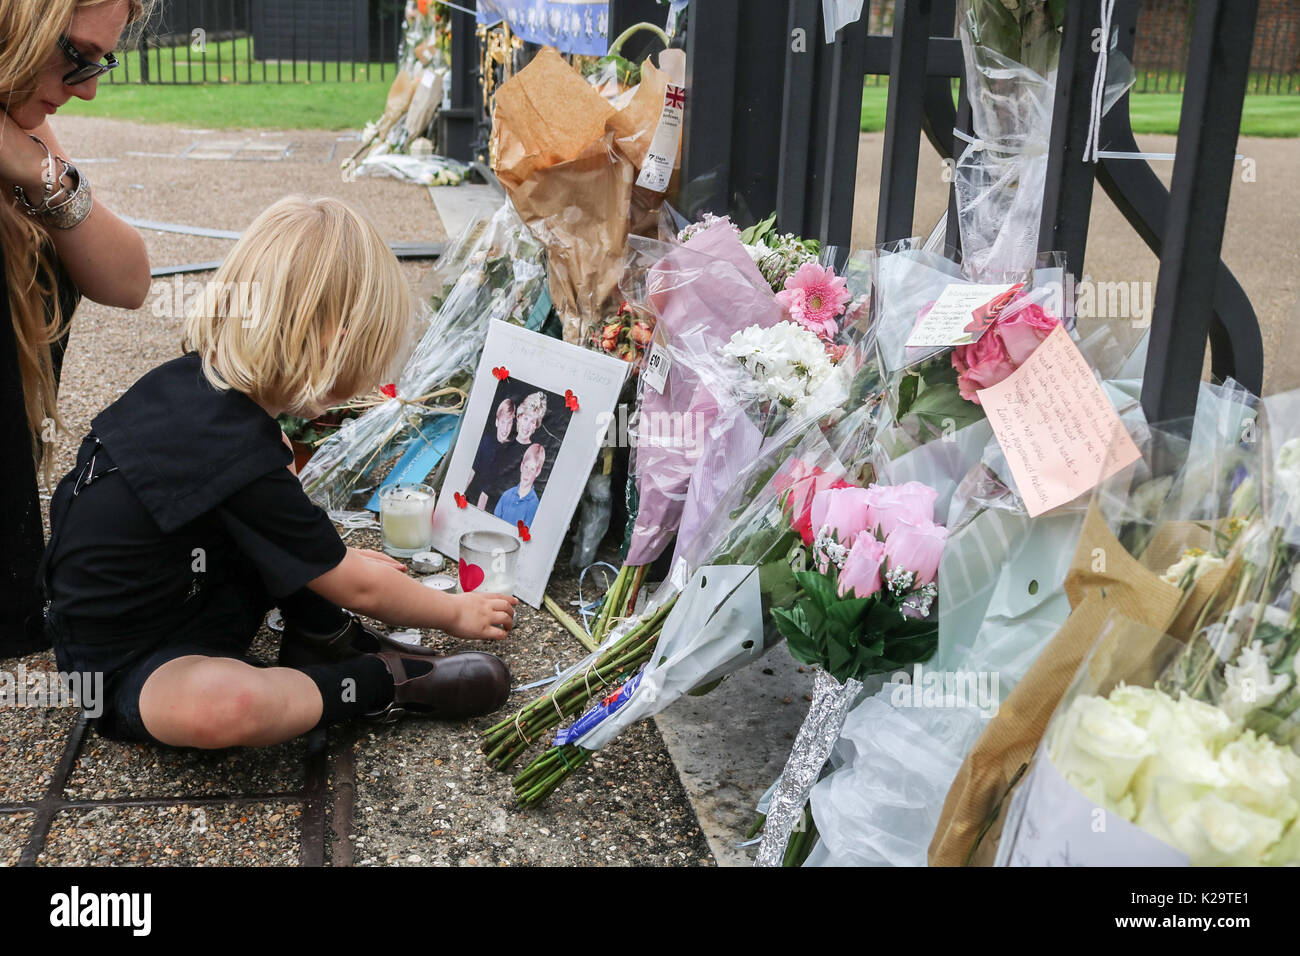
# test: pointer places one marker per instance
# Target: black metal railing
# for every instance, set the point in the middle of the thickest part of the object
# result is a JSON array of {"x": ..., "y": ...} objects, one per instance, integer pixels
[
  {"x": 810, "y": 181},
  {"x": 266, "y": 41}
]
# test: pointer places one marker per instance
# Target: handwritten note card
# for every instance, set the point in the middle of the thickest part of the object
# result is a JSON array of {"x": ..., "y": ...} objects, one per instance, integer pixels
[
  {"x": 963, "y": 312},
  {"x": 1056, "y": 426}
]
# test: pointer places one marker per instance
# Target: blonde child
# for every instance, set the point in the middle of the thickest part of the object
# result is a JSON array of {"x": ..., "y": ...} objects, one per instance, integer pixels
[{"x": 180, "y": 525}]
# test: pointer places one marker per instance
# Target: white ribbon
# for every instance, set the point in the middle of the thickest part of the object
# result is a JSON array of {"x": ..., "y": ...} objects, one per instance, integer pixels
[{"x": 1093, "y": 142}]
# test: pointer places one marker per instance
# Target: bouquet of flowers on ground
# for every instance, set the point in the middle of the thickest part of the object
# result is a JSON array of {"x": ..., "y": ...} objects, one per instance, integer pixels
[
  {"x": 865, "y": 608},
  {"x": 1160, "y": 552},
  {"x": 732, "y": 363},
  {"x": 1192, "y": 741},
  {"x": 503, "y": 279},
  {"x": 1178, "y": 779},
  {"x": 713, "y": 615}
]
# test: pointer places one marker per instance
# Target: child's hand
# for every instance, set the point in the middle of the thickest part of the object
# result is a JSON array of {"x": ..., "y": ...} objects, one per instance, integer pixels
[
  {"x": 379, "y": 557},
  {"x": 483, "y": 617}
]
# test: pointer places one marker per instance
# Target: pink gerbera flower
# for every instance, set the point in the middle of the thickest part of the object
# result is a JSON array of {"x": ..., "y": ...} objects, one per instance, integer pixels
[{"x": 814, "y": 296}]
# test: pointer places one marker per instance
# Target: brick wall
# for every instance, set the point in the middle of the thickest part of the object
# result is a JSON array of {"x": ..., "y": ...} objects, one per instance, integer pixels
[
  {"x": 1163, "y": 30},
  {"x": 1164, "y": 25}
]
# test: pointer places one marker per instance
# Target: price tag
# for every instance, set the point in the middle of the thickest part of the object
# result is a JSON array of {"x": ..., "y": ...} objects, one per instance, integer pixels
[{"x": 657, "y": 363}]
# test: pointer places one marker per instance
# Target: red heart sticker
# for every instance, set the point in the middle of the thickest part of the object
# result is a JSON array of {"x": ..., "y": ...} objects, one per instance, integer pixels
[
  {"x": 461, "y": 500},
  {"x": 390, "y": 390},
  {"x": 471, "y": 575},
  {"x": 501, "y": 372},
  {"x": 523, "y": 531},
  {"x": 570, "y": 400}
]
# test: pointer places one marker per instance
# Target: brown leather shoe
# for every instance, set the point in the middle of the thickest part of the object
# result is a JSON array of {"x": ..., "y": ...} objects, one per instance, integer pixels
[
  {"x": 457, "y": 686},
  {"x": 299, "y": 647}
]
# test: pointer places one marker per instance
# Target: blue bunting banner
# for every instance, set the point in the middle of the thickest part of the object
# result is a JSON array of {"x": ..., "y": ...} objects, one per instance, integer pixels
[{"x": 571, "y": 26}]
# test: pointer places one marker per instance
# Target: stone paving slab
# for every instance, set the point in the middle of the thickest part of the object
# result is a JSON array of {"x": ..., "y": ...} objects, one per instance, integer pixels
[
  {"x": 14, "y": 828},
  {"x": 110, "y": 769},
  {"x": 31, "y": 743},
  {"x": 730, "y": 745},
  {"x": 261, "y": 834}
]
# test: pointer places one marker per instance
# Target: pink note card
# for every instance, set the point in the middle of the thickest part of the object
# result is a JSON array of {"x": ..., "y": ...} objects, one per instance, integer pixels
[{"x": 1056, "y": 426}]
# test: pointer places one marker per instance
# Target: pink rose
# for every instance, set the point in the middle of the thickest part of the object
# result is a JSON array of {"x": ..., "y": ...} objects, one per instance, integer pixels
[
  {"x": 916, "y": 546},
  {"x": 843, "y": 509},
  {"x": 917, "y": 500},
  {"x": 887, "y": 505},
  {"x": 1017, "y": 331},
  {"x": 981, "y": 365},
  {"x": 1023, "y": 330},
  {"x": 803, "y": 482},
  {"x": 861, "y": 573}
]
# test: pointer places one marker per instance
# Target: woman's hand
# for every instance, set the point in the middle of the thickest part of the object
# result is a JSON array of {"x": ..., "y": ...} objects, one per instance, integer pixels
[
  {"x": 22, "y": 161},
  {"x": 379, "y": 557},
  {"x": 105, "y": 258},
  {"x": 483, "y": 617}
]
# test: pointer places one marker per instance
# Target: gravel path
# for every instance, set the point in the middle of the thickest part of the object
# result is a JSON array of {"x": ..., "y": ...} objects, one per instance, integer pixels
[{"x": 422, "y": 793}]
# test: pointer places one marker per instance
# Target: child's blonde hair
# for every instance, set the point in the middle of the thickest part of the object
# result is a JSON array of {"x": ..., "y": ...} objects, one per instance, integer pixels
[{"x": 309, "y": 305}]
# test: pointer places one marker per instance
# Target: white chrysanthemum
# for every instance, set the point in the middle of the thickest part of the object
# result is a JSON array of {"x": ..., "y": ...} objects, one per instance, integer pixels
[{"x": 789, "y": 365}]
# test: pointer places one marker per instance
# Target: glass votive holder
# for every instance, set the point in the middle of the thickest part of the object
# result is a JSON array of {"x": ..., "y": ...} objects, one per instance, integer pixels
[
  {"x": 487, "y": 562},
  {"x": 406, "y": 517}
]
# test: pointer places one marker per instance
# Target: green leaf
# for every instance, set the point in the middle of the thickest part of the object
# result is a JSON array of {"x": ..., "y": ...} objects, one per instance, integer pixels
[
  {"x": 907, "y": 393},
  {"x": 776, "y": 583},
  {"x": 818, "y": 586},
  {"x": 756, "y": 232}
]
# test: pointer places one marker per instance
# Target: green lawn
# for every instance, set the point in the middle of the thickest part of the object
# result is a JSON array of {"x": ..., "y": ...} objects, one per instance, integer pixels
[
  {"x": 1151, "y": 113},
  {"x": 283, "y": 94},
  {"x": 330, "y": 104},
  {"x": 253, "y": 106}
]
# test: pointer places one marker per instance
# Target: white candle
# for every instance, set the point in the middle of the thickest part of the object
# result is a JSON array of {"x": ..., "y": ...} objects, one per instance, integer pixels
[{"x": 407, "y": 519}]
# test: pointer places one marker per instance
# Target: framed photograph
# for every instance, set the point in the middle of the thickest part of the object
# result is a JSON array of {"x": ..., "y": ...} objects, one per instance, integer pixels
[{"x": 534, "y": 424}]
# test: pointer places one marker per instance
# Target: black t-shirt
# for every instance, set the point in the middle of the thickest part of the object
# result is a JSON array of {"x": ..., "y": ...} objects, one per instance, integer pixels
[
  {"x": 190, "y": 488},
  {"x": 487, "y": 472}
]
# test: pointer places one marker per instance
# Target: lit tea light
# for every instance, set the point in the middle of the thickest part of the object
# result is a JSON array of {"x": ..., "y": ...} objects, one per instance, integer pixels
[{"x": 406, "y": 516}]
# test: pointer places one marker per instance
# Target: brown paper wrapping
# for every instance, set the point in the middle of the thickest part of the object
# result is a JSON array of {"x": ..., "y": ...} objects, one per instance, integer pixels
[
  {"x": 569, "y": 161},
  {"x": 1118, "y": 588}
]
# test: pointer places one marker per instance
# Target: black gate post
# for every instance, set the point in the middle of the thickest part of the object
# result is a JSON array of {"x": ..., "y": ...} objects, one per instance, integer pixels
[
  {"x": 1067, "y": 193},
  {"x": 458, "y": 125},
  {"x": 706, "y": 140},
  {"x": 1217, "y": 69},
  {"x": 143, "y": 46},
  {"x": 907, "y": 71}
]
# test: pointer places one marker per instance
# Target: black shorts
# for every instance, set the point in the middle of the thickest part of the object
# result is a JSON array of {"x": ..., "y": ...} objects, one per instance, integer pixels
[{"x": 222, "y": 622}]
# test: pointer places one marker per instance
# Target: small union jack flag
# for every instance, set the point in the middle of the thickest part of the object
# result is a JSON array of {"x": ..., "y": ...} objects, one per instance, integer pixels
[{"x": 675, "y": 96}]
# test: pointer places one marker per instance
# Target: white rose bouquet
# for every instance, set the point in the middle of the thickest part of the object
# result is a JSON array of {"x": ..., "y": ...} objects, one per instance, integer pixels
[{"x": 1184, "y": 771}]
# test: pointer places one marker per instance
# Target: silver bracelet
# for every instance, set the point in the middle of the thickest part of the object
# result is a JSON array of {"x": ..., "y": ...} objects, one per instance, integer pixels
[{"x": 73, "y": 210}]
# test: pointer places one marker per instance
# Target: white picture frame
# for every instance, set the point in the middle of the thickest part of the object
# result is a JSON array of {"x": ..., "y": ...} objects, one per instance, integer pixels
[{"x": 531, "y": 362}]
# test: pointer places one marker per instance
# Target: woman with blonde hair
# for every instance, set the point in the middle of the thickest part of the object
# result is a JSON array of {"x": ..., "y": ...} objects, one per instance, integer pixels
[
  {"x": 165, "y": 556},
  {"x": 56, "y": 244}
]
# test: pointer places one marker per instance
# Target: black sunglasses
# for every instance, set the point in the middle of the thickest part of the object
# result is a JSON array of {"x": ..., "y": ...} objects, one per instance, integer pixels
[{"x": 85, "y": 69}]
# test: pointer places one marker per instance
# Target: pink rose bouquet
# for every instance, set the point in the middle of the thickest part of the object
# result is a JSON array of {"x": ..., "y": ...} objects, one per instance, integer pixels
[{"x": 1007, "y": 345}]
